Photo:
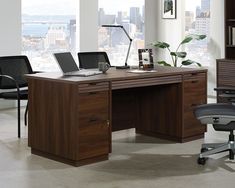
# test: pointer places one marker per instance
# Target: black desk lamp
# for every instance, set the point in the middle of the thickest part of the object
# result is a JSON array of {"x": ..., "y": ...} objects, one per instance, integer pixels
[{"x": 120, "y": 26}]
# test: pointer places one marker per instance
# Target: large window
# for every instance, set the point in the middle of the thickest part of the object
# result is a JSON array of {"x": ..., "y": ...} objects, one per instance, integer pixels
[
  {"x": 129, "y": 14},
  {"x": 48, "y": 26},
  {"x": 197, "y": 21}
]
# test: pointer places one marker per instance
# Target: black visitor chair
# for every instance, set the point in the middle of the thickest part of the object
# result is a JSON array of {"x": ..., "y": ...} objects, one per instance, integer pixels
[
  {"x": 90, "y": 60},
  {"x": 13, "y": 85}
]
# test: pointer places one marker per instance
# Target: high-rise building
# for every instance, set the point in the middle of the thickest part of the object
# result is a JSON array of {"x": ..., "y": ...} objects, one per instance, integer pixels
[
  {"x": 105, "y": 18},
  {"x": 189, "y": 17},
  {"x": 56, "y": 38},
  {"x": 202, "y": 25},
  {"x": 205, "y": 6},
  {"x": 72, "y": 36},
  {"x": 135, "y": 17},
  {"x": 119, "y": 17},
  {"x": 198, "y": 11}
]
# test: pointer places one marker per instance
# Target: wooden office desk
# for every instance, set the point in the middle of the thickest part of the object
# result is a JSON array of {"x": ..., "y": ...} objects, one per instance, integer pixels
[{"x": 71, "y": 118}]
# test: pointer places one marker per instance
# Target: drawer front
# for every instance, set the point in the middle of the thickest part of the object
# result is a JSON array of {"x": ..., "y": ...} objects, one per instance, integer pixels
[
  {"x": 195, "y": 93},
  {"x": 194, "y": 76},
  {"x": 93, "y": 107},
  {"x": 94, "y": 140},
  {"x": 93, "y": 87},
  {"x": 94, "y": 127}
]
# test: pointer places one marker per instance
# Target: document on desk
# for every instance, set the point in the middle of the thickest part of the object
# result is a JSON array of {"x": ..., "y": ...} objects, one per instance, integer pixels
[{"x": 140, "y": 71}]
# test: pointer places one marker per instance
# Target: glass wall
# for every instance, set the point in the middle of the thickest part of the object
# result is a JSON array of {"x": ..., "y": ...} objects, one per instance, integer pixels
[
  {"x": 198, "y": 21},
  {"x": 48, "y": 26},
  {"x": 130, "y": 15}
]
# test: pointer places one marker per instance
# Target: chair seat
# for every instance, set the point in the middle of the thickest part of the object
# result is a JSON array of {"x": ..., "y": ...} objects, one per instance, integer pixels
[
  {"x": 219, "y": 113},
  {"x": 13, "y": 95}
]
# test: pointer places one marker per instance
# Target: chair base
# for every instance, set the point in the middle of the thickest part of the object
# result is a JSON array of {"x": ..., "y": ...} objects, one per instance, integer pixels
[{"x": 214, "y": 148}]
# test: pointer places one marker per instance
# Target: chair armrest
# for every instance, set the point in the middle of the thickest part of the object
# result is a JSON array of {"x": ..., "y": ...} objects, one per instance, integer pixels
[
  {"x": 12, "y": 79},
  {"x": 225, "y": 89},
  {"x": 226, "y": 92}
]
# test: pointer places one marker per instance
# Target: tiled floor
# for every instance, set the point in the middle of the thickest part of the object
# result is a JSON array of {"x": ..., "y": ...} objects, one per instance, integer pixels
[{"x": 136, "y": 161}]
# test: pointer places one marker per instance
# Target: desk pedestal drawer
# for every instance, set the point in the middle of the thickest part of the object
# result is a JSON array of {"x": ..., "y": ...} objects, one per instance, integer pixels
[{"x": 93, "y": 140}]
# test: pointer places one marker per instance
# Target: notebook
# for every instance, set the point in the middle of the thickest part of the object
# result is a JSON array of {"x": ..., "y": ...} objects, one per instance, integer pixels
[{"x": 69, "y": 67}]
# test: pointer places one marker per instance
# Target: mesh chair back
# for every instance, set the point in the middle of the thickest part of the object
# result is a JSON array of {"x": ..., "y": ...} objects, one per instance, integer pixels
[
  {"x": 16, "y": 67},
  {"x": 89, "y": 60}
]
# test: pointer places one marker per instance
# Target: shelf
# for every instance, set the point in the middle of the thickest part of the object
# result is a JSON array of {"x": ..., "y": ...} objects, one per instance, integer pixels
[
  {"x": 230, "y": 46},
  {"x": 229, "y": 29}
]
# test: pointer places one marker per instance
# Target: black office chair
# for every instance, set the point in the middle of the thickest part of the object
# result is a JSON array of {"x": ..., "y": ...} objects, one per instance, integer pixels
[
  {"x": 90, "y": 60},
  {"x": 12, "y": 71},
  {"x": 222, "y": 117}
]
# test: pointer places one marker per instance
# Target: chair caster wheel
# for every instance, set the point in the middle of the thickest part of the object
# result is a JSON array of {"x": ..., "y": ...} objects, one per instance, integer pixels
[{"x": 201, "y": 161}]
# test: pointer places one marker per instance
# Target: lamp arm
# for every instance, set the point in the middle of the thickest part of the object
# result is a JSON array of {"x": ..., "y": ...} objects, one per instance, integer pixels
[
  {"x": 126, "y": 33},
  {"x": 128, "y": 51}
]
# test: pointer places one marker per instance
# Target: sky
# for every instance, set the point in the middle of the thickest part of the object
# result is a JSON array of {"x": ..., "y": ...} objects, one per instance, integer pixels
[
  {"x": 49, "y": 7},
  {"x": 116, "y": 5},
  {"x": 191, "y": 4},
  {"x": 69, "y": 6}
]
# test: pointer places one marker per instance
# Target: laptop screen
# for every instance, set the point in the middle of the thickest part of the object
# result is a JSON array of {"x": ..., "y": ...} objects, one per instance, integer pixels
[{"x": 66, "y": 62}]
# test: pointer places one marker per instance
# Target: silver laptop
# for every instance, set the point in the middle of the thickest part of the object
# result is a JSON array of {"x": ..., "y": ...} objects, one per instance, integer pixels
[{"x": 69, "y": 67}]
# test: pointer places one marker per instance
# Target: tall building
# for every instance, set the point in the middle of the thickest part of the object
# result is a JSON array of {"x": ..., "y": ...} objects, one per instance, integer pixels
[
  {"x": 135, "y": 17},
  {"x": 198, "y": 11},
  {"x": 72, "y": 36},
  {"x": 189, "y": 17},
  {"x": 56, "y": 38},
  {"x": 105, "y": 18},
  {"x": 202, "y": 25},
  {"x": 205, "y": 6},
  {"x": 119, "y": 17}
]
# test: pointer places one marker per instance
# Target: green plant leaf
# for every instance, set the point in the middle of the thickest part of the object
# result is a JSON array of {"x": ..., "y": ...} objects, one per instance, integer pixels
[
  {"x": 179, "y": 54},
  {"x": 164, "y": 63},
  {"x": 187, "y": 39},
  {"x": 190, "y": 62},
  {"x": 161, "y": 45},
  {"x": 200, "y": 37}
]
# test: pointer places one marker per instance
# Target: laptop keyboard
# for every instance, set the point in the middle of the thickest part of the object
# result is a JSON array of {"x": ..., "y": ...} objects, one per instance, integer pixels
[{"x": 84, "y": 73}]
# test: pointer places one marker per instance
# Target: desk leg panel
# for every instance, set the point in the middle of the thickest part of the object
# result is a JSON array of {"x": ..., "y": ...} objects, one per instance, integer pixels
[
  {"x": 52, "y": 118},
  {"x": 160, "y": 110}
]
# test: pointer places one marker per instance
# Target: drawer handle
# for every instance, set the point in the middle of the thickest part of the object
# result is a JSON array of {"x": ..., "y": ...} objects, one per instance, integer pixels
[
  {"x": 195, "y": 81},
  {"x": 92, "y": 84},
  {"x": 92, "y": 93},
  {"x": 108, "y": 123},
  {"x": 93, "y": 119}
]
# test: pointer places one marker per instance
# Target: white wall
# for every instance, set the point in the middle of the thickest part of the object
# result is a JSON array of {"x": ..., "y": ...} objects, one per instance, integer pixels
[
  {"x": 10, "y": 34},
  {"x": 159, "y": 29},
  {"x": 217, "y": 29},
  {"x": 87, "y": 20}
]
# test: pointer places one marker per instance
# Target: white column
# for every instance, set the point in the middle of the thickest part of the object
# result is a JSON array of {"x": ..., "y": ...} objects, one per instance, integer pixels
[
  {"x": 159, "y": 29},
  {"x": 10, "y": 34},
  {"x": 87, "y": 27}
]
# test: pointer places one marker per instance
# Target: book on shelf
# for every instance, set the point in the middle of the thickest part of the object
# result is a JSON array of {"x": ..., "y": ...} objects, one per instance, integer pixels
[{"x": 231, "y": 35}]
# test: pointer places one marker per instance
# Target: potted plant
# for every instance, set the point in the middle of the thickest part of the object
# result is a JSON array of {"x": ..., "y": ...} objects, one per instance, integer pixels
[{"x": 175, "y": 55}]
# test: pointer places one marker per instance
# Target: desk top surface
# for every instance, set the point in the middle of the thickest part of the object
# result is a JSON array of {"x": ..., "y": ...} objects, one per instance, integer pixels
[{"x": 113, "y": 75}]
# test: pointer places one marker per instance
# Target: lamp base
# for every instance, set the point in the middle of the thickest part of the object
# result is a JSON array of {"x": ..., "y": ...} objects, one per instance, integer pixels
[{"x": 123, "y": 67}]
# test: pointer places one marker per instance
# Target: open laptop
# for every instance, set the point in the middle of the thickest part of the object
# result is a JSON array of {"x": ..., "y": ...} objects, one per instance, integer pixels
[{"x": 69, "y": 66}]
